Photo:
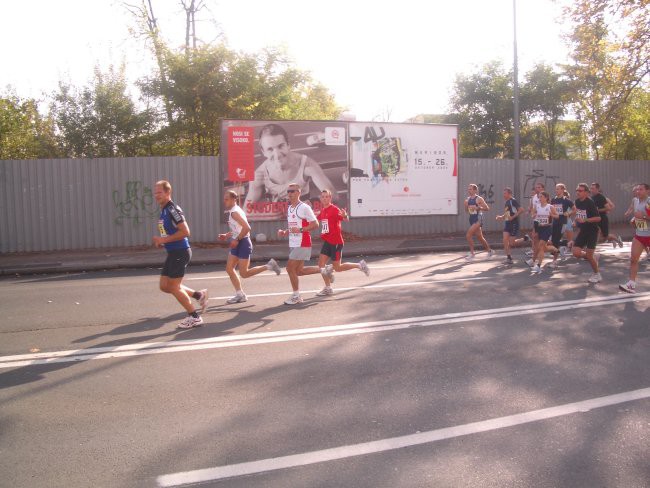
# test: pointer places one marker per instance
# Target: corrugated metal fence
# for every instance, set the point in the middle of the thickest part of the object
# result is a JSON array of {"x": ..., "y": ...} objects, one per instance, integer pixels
[{"x": 58, "y": 204}]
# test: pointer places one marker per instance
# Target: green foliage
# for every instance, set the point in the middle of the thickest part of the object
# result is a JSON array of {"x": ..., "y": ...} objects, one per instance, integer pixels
[{"x": 24, "y": 132}]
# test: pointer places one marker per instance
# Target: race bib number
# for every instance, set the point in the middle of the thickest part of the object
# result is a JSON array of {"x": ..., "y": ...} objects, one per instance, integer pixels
[
  {"x": 559, "y": 209},
  {"x": 581, "y": 214},
  {"x": 161, "y": 228},
  {"x": 641, "y": 224},
  {"x": 542, "y": 220},
  {"x": 472, "y": 209},
  {"x": 325, "y": 226}
]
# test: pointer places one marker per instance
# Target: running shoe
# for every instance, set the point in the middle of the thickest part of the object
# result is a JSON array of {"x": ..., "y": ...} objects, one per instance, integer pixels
[
  {"x": 536, "y": 269},
  {"x": 363, "y": 267},
  {"x": 628, "y": 287},
  {"x": 203, "y": 301},
  {"x": 564, "y": 252},
  {"x": 273, "y": 265},
  {"x": 526, "y": 238},
  {"x": 619, "y": 241},
  {"x": 553, "y": 264},
  {"x": 238, "y": 298},
  {"x": 530, "y": 262},
  {"x": 595, "y": 278},
  {"x": 508, "y": 260},
  {"x": 293, "y": 300},
  {"x": 470, "y": 257},
  {"x": 528, "y": 252},
  {"x": 328, "y": 271},
  {"x": 327, "y": 291},
  {"x": 190, "y": 322},
  {"x": 490, "y": 253}
]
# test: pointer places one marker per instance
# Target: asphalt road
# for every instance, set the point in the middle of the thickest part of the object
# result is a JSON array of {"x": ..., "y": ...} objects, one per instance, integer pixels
[{"x": 430, "y": 372}]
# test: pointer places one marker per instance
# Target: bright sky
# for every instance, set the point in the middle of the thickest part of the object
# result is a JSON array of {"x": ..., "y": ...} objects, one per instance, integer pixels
[{"x": 378, "y": 57}]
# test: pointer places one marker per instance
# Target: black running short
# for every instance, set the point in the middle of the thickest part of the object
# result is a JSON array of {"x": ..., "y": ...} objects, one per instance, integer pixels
[{"x": 176, "y": 262}]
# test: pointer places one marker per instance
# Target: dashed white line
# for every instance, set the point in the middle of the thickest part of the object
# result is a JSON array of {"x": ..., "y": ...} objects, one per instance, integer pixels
[{"x": 382, "y": 445}]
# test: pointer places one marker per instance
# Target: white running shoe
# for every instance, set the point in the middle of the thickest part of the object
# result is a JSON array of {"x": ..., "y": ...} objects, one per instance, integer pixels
[
  {"x": 528, "y": 252},
  {"x": 363, "y": 267},
  {"x": 530, "y": 262},
  {"x": 203, "y": 301},
  {"x": 327, "y": 291},
  {"x": 595, "y": 278},
  {"x": 293, "y": 300},
  {"x": 273, "y": 265},
  {"x": 190, "y": 322},
  {"x": 508, "y": 260},
  {"x": 564, "y": 252},
  {"x": 469, "y": 257},
  {"x": 553, "y": 264},
  {"x": 619, "y": 241},
  {"x": 238, "y": 298},
  {"x": 536, "y": 269},
  {"x": 490, "y": 253},
  {"x": 328, "y": 271},
  {"x": 628, "y": 287}
]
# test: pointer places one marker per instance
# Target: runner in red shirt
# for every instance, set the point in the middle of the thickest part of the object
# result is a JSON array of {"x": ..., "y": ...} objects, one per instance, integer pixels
[{"x": 330, "y": 218}]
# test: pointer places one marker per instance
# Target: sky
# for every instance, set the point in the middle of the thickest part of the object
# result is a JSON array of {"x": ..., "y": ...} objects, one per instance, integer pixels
[{"x": 382, "y": 60}]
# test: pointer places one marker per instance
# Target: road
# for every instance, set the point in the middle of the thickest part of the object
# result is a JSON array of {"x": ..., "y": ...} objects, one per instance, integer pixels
[{"x": 430, "y": 372}]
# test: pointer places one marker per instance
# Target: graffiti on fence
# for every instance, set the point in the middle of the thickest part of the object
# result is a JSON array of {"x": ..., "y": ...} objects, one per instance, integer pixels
[
  {"x": 486, "y": 191},
  {"x": 136, "y": 205},
  {"x": 539, "y": 176}
]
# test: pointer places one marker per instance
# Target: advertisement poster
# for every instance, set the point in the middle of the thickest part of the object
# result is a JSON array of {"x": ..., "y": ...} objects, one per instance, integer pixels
[
  {"x": 259, "y": 159},
  {"x": 403, "y": 169}
]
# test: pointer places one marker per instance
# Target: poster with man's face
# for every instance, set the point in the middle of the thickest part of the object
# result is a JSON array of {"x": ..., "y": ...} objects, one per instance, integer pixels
[{"x": 260, "y": 159}]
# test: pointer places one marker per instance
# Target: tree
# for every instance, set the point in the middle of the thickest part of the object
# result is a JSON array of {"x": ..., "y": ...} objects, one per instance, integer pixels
[
  {"x": 100, "y": 119},
  {"x": 484, "y": 107},
  {"x": 610, "y": 59},
  {"x": 24, "y": 132}
]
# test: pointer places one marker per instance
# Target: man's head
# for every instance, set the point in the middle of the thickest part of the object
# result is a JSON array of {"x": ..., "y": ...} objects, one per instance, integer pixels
[
  {"x": 472, "y": 189},
  {"x": 582, "y": 191},
  {"x": 293, "y": 193},
  {"x": 162, "y": 192},
  {"x": 230, "y": 199},
  {"x": 507, "y": 193},
  {"x": 274, "y": 143},
  {"x": 595, "y": 188},
  {"x": 643, "y": 190},
  {"x": 326, "y": 198}
]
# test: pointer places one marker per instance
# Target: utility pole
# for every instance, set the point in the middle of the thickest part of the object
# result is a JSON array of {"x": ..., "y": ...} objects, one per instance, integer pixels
[{"x": 516, "y": 187}]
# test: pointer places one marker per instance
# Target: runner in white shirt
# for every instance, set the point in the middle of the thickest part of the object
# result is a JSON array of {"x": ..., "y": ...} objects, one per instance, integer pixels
[
  {"x": 241, "y": 248},
  {"x": 301, "y": 220}
]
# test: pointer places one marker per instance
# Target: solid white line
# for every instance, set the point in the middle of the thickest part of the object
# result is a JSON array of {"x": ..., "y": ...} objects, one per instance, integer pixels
[
  {"x": 382, "y": 445},
  {"x": 365, "y": 287},
  {"x": 308, "y": 333}
]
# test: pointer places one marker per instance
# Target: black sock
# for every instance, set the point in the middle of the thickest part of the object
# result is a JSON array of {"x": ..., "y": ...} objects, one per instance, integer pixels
[
  {"x": 194, "y": 314},
  {"x": 196, "y": 295},
  {"x": 509, "y": 256}
]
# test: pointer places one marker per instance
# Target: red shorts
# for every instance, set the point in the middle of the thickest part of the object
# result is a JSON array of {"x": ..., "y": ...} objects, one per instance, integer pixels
[{"x": 645, "y": 240}]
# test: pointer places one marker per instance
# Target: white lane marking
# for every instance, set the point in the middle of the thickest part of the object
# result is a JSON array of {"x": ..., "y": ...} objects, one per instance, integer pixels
[
  {"x": 386, "y": 285},
  {"x": 392, "y": 443},
  {"x": 308, "y": 333}
]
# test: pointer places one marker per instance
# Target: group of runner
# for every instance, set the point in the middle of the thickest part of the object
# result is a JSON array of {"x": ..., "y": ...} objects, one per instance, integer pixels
[
  {"x": 561, "y": 224},
  {"x": 174, "y": 237}
]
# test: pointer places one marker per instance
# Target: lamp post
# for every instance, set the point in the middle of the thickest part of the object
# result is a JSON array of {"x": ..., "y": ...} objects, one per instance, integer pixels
[{"x": 516, "y": 186}]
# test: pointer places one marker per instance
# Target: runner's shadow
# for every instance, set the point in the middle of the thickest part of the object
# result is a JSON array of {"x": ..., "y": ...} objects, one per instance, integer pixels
[{"x": 142, "y": 325}]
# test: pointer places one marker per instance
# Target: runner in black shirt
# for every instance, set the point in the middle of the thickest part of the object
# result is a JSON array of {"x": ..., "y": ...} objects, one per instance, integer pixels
[
  {"x": 604, "y": 205},
  {"x": 587, "y": 219}
]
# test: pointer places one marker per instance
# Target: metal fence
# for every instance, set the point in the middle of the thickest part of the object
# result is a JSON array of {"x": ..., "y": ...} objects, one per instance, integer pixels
[{"x": 67, "y": 204}]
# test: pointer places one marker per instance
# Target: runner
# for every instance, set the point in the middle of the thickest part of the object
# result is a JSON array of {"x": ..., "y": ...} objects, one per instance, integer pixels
[
  {"x": 586, "y": 219},
  {"x": 641, "y": 238},
  {"x": 604, "y": 206},
  {"x": 534, "y": 203},
  {"x": 241, "y": 248},
  {"x": 510, "y": 217},
  {"x": 174, "y": 236},
  {"x": 301, "y": 220},
  {"x": 475, "y": 205},
  {"x": 563, "y": 207},
  {"x": 543, "y": 216},
  {"x": 330, "y": 217},
  {"x": 630, "y": 211}
]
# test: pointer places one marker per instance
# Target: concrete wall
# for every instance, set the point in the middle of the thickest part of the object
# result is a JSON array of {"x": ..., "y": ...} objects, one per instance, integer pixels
[{"x": 58, "y": 204}]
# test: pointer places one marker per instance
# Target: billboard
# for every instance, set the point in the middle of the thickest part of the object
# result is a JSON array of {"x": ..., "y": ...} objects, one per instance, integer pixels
[
  {"x": 260, "y": 158},
  {"x": 403, "y": 169}
]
